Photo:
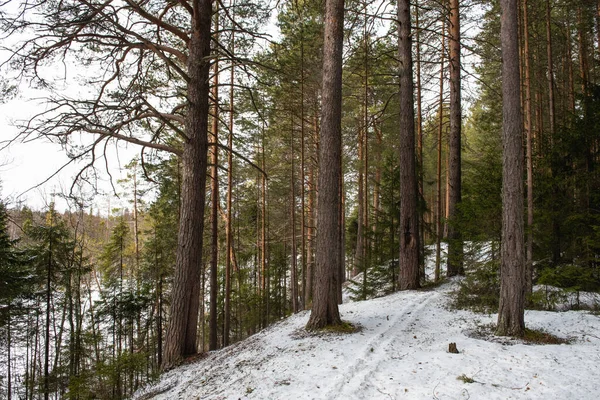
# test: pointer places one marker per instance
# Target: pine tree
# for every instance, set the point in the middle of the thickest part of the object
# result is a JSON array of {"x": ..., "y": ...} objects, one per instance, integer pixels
[
  {"x": 325, "y": 298},
  {"x": 409, "y": 223},
  {"x": 512, "y": 271}
]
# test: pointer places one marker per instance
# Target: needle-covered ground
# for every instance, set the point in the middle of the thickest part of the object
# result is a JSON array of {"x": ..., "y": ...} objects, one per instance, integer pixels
[{"x": 399, "y": 351}]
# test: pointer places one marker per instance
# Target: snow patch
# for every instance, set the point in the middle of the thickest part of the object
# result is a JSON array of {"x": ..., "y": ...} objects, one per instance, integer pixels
[{"x": 401, "y": 351}]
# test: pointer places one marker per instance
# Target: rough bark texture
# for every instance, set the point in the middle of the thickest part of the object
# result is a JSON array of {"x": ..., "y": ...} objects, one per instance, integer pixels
[
  {"x": 420, "y": 136},
  {"x": 325, "y": 307},
  {"x": 214, "y": 210},
  {"x": 438, "y": 217},
  {"x": 529, "y": 149},
  {"x": 552, "y": 123},
  {"x": 264, "y": 271},
  {"x": 455, "y": 245},
  {"x": 359, "y": 254},
  {"x": 228, "y": 227},
  {"x": 512, "y": 271},
  {"x": 181, "y": 333},
  {"x": 551, "y": 104},
  {"x": 302, "y": 172},
  {"x": 342, "y": 238},
  {"x": 294, "y": 266},
  {"x": 409, "y": 234},
  {"x": 310, "y": 239}
]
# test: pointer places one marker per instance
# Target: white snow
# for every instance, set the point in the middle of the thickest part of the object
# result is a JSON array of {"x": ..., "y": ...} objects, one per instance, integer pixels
[{"x": 400, "y": 352}]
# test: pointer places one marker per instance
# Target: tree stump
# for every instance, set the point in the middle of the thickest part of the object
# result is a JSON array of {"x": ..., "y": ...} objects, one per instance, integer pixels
[{"x": 452, "y": 348}]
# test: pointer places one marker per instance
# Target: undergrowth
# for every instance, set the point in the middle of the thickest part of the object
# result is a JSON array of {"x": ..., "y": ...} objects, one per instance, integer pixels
[
  {"x": 539, "y": 336},
  {"x": 480, "y": 289},
  {"x": 344, "y": 327}
]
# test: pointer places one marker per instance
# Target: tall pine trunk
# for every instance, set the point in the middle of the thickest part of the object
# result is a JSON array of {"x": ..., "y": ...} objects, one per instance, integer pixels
[
  {"x": 409, "y": 223},
  {"x": 264, "y": 284},
  {"x": 438, "y": 217},
  {"x": 294, "y": 264},
  {"x": 360, "y": 232},
  {"x": 325, "y": 298},
  {"x": 552, "y": 122},
  {"x": 420, "y": 168},
  {"x": 228, "y": 232},
  {"x": 512, "y": 271},
  {"x": 182, "y": 331},
  {"x": 455, "y": 245},
  {"x": 304, "y": 302},
  {"x": 529, "y": 149},
  {"x": 214, "y": 202}
]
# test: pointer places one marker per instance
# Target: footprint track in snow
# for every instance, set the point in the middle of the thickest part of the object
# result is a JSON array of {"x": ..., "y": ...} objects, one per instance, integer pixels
[{"x": 375, "y": 350}]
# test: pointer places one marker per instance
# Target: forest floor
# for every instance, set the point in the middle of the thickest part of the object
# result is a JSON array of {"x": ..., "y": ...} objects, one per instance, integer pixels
[{"x": 399, "y": 351}]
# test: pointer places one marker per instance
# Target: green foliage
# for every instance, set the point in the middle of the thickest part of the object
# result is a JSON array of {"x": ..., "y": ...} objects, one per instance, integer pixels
[
  {"x": 568, "y": 207},
  {"x": 379, "y": 282},
  {"x": 480, "y": 289},
  {"x": 16, "y": 277},
  {"x": 571, "y": 277},
  {"x": 115, "y": 258},
  {"x": 547, "y": 298},
  {"x": 481, "y": 207}
]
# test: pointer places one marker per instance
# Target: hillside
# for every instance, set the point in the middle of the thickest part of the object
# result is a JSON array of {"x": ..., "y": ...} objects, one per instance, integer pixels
[{"x": 399, "y": 352}]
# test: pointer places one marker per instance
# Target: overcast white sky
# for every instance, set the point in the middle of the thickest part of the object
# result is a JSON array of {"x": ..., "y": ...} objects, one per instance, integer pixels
[{"x": 24, "y": 166}]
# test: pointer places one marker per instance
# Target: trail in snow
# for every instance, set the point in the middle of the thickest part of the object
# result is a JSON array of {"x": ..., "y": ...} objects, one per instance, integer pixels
[
  {"x": 384, "y": 332},
  {"x": 400, "y": 352}
]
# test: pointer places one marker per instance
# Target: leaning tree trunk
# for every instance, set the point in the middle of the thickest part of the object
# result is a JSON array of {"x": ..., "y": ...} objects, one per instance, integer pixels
[
  {"x": 512, "y": 271},
  {"x": 409, "y": 223},
  {"x": 325, "y": 306},
  {"x": 181, "y": 334}
]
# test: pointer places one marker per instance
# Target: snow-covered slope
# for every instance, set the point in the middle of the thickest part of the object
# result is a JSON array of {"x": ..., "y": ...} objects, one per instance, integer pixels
[{"x": 400, "y": 352}]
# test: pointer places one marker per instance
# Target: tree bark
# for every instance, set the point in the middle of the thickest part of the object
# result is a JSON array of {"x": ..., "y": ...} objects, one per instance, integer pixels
[
  {"x": 529, "y": 150},
  {"x": 438, "y": 218},
  {"x": 583, "y": 59},
  {"x": 551, "y": 104},
  {"x": 365, "y": 198},
  {"x": 264, "y": 284},
  {"x": 552, "y": 122},
  {"x": 598, "y": 26},
  {"x": 409, "y": 223},
  {"x": 455, "y": 245},
  {"x": 571, "y": 78},
  {"x": 310, "y": 237},
  {"x": 214, "y": 202},
  {"x": 181, "y": 334},
  {"x": 377, "y": 191},
  {"x": 360, "y": 232},
  {"x": 48, "y": 307},
  {"x": 294, "y": 263},
  {"x": 420, "y": 169},
  {"x": 325, "y": 305},
  {"x": 512, "y": 271},
  {"x": 8, "y": 355},
  {"x": 342, "y": 238},
  {"x": 302, "y": 171},
  {"x": 228, "y": 232}
]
